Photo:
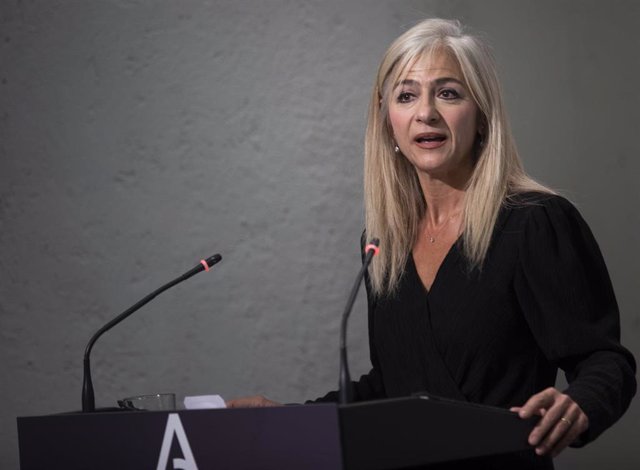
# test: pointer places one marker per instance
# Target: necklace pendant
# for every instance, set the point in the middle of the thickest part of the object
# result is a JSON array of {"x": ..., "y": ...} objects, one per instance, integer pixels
[{"x": 432, "y": 240}]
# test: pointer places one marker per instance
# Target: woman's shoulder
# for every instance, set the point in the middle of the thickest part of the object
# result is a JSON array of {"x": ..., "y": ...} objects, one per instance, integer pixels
[
  {"x": 535, "y": 199},
  {"x": 541, "y": 216},
  {"x": 538, "y": 214},
  {"x": 541, "y": 204}
]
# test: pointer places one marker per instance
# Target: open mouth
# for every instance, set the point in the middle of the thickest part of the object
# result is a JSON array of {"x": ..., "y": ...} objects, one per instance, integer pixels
[
  {"x": 430, "y": 137},
  {"x": 430, "y": 140}
]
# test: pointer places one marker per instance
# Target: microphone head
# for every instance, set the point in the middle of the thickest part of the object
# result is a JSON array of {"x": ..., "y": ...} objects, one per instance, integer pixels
[
  {"x": 372, "y": 247},
  {"x": 211, "y": 260}
]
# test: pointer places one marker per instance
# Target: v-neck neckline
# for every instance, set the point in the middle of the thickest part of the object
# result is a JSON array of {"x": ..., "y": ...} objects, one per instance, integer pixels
[
  {"x": 445, "y": 260},
  {"x": 500, "y": 222}
]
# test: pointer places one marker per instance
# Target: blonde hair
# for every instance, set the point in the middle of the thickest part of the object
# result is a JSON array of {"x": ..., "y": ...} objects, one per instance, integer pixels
[{"x": 394, "y": 204}]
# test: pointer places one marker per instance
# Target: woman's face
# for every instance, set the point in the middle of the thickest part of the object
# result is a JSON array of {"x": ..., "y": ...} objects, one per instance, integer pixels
[{"x": 433, "y": 116}]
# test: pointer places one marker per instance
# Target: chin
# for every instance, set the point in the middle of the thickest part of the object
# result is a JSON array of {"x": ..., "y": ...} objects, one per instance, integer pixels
[{"x": 431, "y": 164}]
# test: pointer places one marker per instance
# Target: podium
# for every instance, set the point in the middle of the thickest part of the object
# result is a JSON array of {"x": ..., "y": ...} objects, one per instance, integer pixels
[{"x": 376, "y": 435}]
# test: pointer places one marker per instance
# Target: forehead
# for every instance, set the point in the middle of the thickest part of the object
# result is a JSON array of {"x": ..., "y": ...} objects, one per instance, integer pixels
[{"x": 434, "y": 65}]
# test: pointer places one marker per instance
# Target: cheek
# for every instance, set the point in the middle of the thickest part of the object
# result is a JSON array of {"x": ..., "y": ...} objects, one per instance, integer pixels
[
  {"x": 398, "y": 121},
  {"x": 467, "y": 126},
  {"x": 393, "y": 120}
]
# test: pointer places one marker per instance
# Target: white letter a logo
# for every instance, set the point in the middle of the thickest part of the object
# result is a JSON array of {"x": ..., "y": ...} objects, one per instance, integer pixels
[{"x": 174, "y": 426}]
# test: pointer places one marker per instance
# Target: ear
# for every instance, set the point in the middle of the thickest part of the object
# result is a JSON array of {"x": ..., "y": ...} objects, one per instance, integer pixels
[{"x": 482, "y": 124}]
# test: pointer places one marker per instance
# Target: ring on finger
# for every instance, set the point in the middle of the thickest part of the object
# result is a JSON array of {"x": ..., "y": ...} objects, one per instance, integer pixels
[{"x": 567, "y": 421}]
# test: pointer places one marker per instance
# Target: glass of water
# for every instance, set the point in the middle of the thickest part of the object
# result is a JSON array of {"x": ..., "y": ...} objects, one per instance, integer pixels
[{"x": 154, "y": 402}]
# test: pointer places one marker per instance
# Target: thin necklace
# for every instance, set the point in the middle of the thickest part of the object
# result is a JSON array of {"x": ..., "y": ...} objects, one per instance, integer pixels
[{"x": 431, "y": 236}]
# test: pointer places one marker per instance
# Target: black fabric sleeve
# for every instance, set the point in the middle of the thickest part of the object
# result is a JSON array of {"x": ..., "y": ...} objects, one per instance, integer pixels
[
  {"x": 564, "y": 290},
  {"x": 370, "y": 385}
]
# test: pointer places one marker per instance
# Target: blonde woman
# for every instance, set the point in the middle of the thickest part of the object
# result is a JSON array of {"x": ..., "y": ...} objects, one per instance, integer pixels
[{"x": 487, "y": 282}]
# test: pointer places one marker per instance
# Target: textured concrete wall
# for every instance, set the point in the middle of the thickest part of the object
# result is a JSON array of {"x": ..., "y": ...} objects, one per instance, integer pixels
[{"x": 137, "y": 137}]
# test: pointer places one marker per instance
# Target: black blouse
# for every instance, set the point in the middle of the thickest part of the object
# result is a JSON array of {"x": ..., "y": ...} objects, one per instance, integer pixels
[{"x": 543, "y": 300}]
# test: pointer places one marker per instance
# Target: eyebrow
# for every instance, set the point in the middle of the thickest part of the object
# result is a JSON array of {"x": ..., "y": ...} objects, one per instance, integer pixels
[{"x": 437, "y": 81}]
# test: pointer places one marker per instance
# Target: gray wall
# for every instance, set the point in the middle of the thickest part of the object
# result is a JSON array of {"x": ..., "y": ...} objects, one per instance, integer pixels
[{"x": 137, "y": 137}]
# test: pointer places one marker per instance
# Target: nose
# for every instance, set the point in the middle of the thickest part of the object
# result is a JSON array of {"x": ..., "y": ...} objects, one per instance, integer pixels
[{"x": 427, "y": 112}]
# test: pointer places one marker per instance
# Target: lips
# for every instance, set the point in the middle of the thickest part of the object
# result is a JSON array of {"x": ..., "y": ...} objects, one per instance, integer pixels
[{"x": 430, "y": 140}]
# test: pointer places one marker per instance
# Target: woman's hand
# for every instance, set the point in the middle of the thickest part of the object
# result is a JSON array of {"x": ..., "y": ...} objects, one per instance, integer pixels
[
  {"x": 561, "y": 423},
  {"x": 256, "y": 401}
]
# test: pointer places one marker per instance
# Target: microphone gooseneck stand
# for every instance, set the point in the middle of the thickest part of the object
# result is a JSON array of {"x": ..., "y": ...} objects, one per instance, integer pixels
[
  {"x": 345, "y": 388},
  {"x": 88, "y": 399}
]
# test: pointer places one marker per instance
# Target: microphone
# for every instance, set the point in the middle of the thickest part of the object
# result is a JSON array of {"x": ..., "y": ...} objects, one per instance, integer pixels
[
  {"x": 345, "y": 388},
  {"x": 88, "y": 399}
]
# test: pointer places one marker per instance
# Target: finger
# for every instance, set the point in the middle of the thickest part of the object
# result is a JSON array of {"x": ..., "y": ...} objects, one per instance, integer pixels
[
  {"x": 560, "y": 431},
  {"x": 538, "y": 401},
  {"x": 578, "y": 426},
  {"x": 265, "y": 402},
  {"x": 549, "y": 420},
  {"x": 516, "y": 409},
  {"x": 566, "y": 428},
  {"x": 236, "y": 403},
  {"x": 246, "y": 402},
  {"x": 563, "y": 442},
  {"x": 565, "y": 431}
]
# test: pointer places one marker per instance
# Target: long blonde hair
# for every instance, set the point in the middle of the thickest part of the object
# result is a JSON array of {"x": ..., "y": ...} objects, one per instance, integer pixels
[{"x": 394, "y": 203}]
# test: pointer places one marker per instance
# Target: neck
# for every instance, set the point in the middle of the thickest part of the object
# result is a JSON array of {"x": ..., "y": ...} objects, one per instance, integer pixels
[{"x": 444, "y": 196}]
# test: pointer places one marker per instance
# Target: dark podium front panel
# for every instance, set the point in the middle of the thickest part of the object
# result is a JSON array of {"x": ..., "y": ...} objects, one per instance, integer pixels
[
  {"x": 416, "y": 431},
  {"x": 296, "y": 437},
  {"x": 373, "y": 435}
]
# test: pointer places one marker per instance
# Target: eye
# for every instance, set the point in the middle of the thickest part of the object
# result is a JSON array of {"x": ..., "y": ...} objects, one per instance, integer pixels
[
  {"x": 404, "y": 97},
  {"x": 449, "y": 94}
]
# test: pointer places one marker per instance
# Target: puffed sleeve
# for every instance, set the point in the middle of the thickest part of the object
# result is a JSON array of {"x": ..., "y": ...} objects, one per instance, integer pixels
[{"x": 564, "y": 290}]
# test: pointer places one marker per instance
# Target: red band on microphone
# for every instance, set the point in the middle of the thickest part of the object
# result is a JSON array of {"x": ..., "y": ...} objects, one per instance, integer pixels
[
  {"x": 371, "y": 246},
  {"x": 204, "y": 263}
]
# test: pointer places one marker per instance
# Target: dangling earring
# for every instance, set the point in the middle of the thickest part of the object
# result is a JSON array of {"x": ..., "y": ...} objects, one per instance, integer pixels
[{"x": 396, "y": 149}]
